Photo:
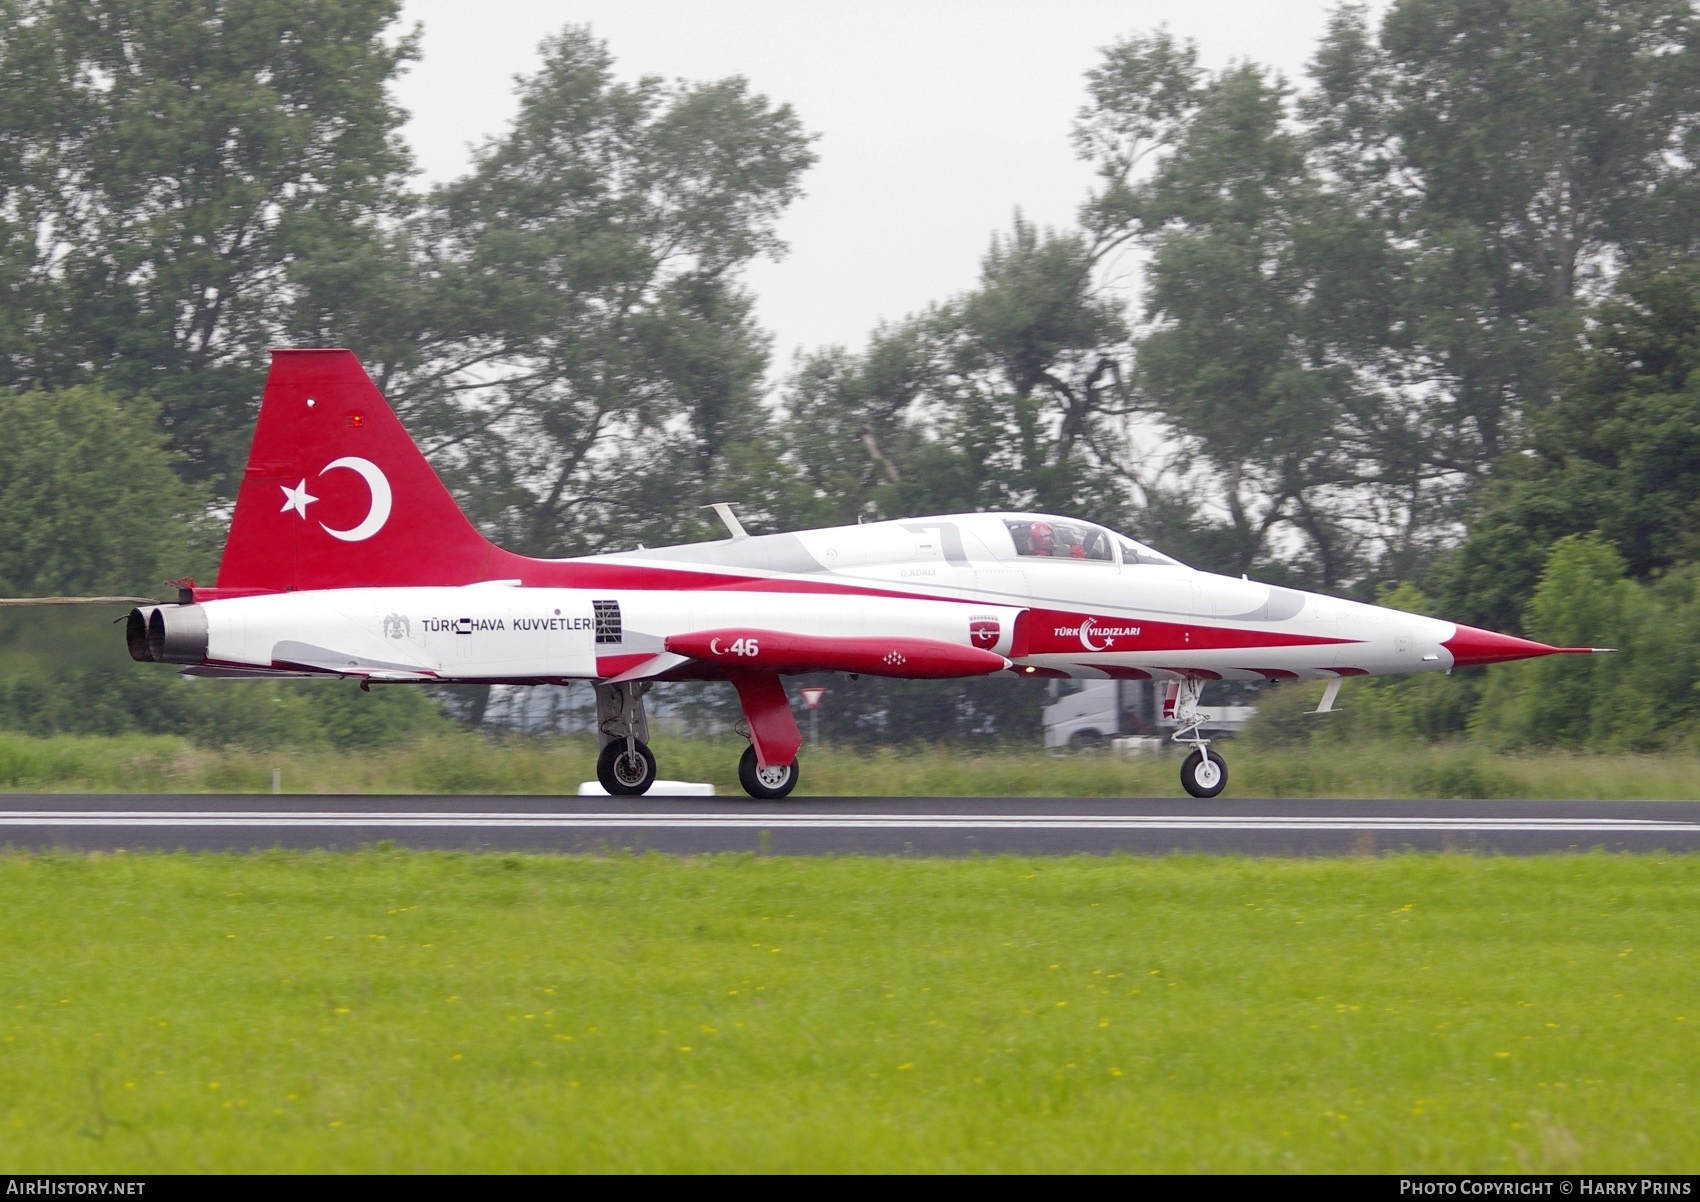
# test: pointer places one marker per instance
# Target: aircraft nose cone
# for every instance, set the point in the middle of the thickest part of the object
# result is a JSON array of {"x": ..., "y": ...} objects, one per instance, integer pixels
[{"x": 1472, "y": 646}]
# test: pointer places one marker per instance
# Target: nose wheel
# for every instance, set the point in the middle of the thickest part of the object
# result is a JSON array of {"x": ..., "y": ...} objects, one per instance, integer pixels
[
  {"x": 1203, "y": 773},
  {"x": 769, "y": 783}
]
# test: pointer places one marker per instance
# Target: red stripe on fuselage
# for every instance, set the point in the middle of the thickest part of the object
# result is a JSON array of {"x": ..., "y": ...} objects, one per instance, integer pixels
[{"x": 1065, "y": 632}]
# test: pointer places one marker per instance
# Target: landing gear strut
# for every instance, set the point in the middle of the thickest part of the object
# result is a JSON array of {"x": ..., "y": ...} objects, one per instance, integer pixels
[
  {"x": 625, "y": 766},
  {"x": 768, "y": 769},
  {"x": 1203, "y": 772}
]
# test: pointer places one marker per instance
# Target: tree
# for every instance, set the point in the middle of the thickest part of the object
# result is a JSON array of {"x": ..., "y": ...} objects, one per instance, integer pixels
[
  {"x": 1516, "y": 151},
  {"x": 89, "y": 499},
  {"x": 167, "y": 171},
  {"x": 1262, "y": 297},
  {"x": 1640, "y": 698},
  {"x": 1269, "y": 307},
  {"x": 587, "y": 355},
  {"x": 1359, "y": 297},
  {"x": 1618, "y": 454}
]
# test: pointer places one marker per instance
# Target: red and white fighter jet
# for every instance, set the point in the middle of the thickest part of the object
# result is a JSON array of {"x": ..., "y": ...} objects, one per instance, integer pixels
[{"x": 347, "y": 557}]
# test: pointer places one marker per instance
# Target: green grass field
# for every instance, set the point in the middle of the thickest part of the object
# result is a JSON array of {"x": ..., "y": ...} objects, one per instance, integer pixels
[
  {"x": 391, "y": 1011},
  {"x": 466, "y": 763}
]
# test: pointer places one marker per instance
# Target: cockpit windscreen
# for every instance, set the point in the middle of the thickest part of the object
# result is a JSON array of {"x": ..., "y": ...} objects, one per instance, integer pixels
[
  {"x": 1053, "y": 538},
  {"x": 1049, "y": 539}
]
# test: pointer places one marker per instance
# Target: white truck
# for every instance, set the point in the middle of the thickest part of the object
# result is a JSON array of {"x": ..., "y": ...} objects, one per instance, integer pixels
[{"x": 1094, "y": 712}]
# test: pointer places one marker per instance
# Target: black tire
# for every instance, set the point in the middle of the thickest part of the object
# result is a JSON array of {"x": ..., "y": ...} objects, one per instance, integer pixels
[
  {"x": 623, "y": 774},
  {"x": 774, "y": 783},
  {"x": 1215, "y": 778},
  {"x": 1087, "y": 742}
]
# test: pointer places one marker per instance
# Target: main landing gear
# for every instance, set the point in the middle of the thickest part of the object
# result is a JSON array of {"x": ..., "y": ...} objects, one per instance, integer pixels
[
  {"x": 768, "y": 769},
  {"x": 1203, "y": 772},
  {"x": 626, "y": 765},
  {"x": 769, "y": 783}
]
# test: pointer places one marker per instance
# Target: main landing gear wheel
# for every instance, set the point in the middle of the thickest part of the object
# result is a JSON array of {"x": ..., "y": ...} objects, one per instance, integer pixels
[
  {"x": 769, "y": 783},
  {"x": 1204, "y": 773},
  {"x": 623, "y": 771}
]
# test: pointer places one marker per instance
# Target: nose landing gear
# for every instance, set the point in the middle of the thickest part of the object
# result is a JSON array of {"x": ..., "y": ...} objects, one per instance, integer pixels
[{"x": 1203, "y": 773}]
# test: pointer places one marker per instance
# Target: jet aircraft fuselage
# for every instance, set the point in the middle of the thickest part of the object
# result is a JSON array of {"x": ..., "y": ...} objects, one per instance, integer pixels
[{"x": 348, "y": 558}]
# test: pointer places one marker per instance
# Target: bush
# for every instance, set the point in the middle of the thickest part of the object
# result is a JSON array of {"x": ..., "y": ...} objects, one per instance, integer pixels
[
  {"x": 106, "y": 701},
  {"x": 1639, "y": 698}
]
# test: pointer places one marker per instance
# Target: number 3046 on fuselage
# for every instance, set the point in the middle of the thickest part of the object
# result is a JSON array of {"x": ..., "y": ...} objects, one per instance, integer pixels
[{"x": 347, "y": 557}]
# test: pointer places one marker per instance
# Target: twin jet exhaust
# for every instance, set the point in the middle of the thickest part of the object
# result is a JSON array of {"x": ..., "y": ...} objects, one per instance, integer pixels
[{"x": 167, "y": 634}]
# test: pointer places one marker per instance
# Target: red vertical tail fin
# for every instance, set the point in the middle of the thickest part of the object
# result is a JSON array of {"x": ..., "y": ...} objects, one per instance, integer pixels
[{"x": 337, "y": 495}]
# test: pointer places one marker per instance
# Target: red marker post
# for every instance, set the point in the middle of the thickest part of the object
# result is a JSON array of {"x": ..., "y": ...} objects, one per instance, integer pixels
[{"x": 811, "y": 698}]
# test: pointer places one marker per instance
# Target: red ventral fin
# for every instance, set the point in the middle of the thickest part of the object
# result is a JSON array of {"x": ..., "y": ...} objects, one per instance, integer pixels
[
  {"x": 773, "y": 728},
  {"x": 337, "y": 495}
]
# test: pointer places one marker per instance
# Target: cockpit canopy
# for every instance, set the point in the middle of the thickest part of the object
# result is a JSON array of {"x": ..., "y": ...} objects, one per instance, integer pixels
[{"x": 1064, "y": 538}]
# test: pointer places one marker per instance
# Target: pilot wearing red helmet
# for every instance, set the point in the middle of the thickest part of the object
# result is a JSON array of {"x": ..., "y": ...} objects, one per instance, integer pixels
[{"x": 1041, "y": 539}]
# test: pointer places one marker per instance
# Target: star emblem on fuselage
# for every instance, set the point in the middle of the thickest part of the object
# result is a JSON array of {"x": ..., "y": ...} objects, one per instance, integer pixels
[{"x": 297, "y": 498}]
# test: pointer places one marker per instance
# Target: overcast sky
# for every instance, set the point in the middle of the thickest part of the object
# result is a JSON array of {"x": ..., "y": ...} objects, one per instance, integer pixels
[{"x": 937, "y": 119}]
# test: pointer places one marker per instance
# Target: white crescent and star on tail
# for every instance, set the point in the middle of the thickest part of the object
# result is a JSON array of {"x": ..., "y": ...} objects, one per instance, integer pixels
[{"x": 298, "y": 498}]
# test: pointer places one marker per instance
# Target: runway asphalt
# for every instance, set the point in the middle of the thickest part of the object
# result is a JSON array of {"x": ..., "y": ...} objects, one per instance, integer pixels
[{"x": 843, "y": 826}]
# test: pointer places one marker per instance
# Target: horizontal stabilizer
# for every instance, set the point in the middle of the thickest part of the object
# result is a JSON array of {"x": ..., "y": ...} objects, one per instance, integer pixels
[
  {"x": 780, "y": 651},
  {"x": 222, "y": 672},
  {"x": 291, "y": 654}
]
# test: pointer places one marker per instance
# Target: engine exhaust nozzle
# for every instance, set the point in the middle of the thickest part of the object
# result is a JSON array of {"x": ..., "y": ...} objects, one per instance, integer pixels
[
  {"x": 176, "y": 634},
  {"x": 136, "y": 635}
]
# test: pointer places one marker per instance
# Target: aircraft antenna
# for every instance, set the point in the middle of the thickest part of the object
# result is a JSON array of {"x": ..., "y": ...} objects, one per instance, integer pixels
[{"x": 731, "y": 519}]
